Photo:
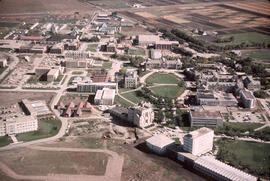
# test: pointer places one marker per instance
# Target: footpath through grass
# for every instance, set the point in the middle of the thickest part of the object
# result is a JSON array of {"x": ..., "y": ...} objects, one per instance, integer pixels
[
  {"x": 47, "y": 128},
  {"x": 251, "y": 156},
  {"x": 162, "y": 78}
]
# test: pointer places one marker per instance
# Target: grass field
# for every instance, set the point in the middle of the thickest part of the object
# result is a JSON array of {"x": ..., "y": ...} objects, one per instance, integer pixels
[
  {"x": 35, "y": 162},
  {"x": 246, "y": 37},
  {"x": 168, "y": 91},
  {"x": 132, "y": 96},
  {"x": 5, "y": 140},
  {"x": 162, "y": 78},
  {"x": 77, "y": 73},
  {"x": 136, "y": 52},
  {"x": 107, "y": 65},
  {"x": 261, "y": 55},
  {"x": 250, "y": 155},
  {"x": 144, "y": 73},
  {"x": 47, "y": 128},
  {"x": 8, "y": 24},
  {"x": 92, "y": 47},
  {"x": 122, "y": 102}
]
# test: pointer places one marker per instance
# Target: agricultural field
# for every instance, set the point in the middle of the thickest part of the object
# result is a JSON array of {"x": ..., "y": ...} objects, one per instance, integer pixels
[
  {"x": 162, "y": 78},
  {"x": 252, "y": 156},
  {"x": 263, "y": 54}
]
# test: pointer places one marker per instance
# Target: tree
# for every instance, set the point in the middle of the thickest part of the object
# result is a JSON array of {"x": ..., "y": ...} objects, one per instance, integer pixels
[{"x": 123, "y": 71}]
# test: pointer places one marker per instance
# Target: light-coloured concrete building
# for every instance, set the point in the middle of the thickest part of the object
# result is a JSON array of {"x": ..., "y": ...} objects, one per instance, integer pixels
[
  {"x": 163, "y": 63},
  {"x": 251, "y": 84},
  {"x": 35, "y": 108},
  {"x": 199, "y": 141},
  {"x": 201, "y": 118},
  {"x": 220, "y": 171},
  {"x": 104, "y": 96},
  {"x": 145, "y": 40},
  {"x": 141, "y": 115},
  {"x": 94, "y": 86},
  {"x": 159, "y": 143},
  {"x": 247, "y": 98},
  {"x": 52, "y": 75},
  {"x": 57, "y": 48},
  {"x": 155, "y": 54},
  {"x": 3, "y": 62},
  {"x": 131, "y": 79},
  {"x": 18, "y": 125}
]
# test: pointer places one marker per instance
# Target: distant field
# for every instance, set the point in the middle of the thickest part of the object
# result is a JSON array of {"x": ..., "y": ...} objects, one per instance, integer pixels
[
  {"x": 250, "y": 155},
  {"x": 260, "y": 55},
  {"x": 247, "y": 38},
  {"x": 8, "y": 24}
]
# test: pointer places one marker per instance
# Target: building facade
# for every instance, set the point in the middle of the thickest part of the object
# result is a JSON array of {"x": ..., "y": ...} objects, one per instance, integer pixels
[
  {"x": 247, "y": 98},
  {"x": 131, "y": 79},
  {"x": 159, "y": 143},
  {"x": 94, "y": 86},
  {"x": 205, "y": 118},
  {"x": 104, "y": 97}
]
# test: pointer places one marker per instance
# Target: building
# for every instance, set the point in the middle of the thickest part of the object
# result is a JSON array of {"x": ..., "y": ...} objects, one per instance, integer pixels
[
  {"x": 247, "y": 98},
  {"x": 77, "y": 63},
  {"x": 74, "y": 110},
  {"x": 220, "y": 171},
  {"x": 52, "y": 75},
  {"x": 3, "y": 62},
  {"x": 18, "y": 125},
  {"x": 199, "y": 141},
  {"x": 104, "y": 96},
  {"x": 57, "y": 48},
  {"x": 141, "y": 115},
  {"x": 131, "y": 79},
  {"x": 35, "y": 108},
  {"x": 205, "y": 118},
  {"x": 110, "y": 47},
  {"x": 33, "y": 48},
  {"x": 94, "y": 86},
  {"x": 77, "y": 54},
  {"x": 145, "y": 40},
  {"x": 32, "y": 38},
  {"x": 159, "y": 143},
  {"x": 251, "y": 84},
  {"x": 155, "y": 54},
  {"x": 165, "y": 44},
  {"x": 71, "y": 45},
  {"x": 163, "y": 64}
]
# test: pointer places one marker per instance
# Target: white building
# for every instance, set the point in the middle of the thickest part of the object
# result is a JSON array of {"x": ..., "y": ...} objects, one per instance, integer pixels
[
  {"x": 159, "y": 143},
  {"x": 199, "y": 141},
  {"x": 104, "y": 97},
  {"x": 52, "y": 75},
  {"x": 247, "y": 98},
  {"x": 3, "y": 62},
  {"x": 94, "y": 86},
  {"x": 142, "y": 115},
  {"x": 145, "y": 40},
  {"x": 131, "y": 79},
  {"x": 18, "y": 125},
  {"x": 220, "y": 171}
]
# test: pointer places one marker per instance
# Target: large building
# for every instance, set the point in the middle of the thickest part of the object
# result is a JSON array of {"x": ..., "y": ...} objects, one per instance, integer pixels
[
  {"x": 145, "y": 40},
  {"x": 35, "y": 108},
  {"x": 163, "y": 63},
  {"x": 159, "y": 143},
  {"x": 52, "y": 75},
  {"x": 247, "y": 98},
  {"x": 57, "y": 48},
  {"x": 104, "y": 96},
  {"x": 3, "y": 62},
  {"x": 18, "y": 125},
  {"x": 251, "y": 84},
  {"x": 33, "y": 48},
  {"x": 141, "y": 115},
  {"x": 199, "y": 141},
  {"x": 205, "y": 118},
  {"x": 220, "y": 171},
  {"x": 131, "y": 79},
  {"x": 94, "y": 86}
]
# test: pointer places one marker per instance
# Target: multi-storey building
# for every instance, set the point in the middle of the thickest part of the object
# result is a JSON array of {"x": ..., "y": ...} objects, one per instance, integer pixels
[
  {"x": 247, "y": 98},
  {"x": 18, "y": 125},
  {"x": 104, "y": 96},
  {"x": 251, "y": 84},
  {"x": 205, "y": 118},
  {"x": 3, "y": 62},
  {"x": 159, "y": 143},
  {"x": 199, "y": 141},
  {"x": 163, "y": 63},
  {"x": 94, "y": 86},
  {"x": 131, "y": 79}
]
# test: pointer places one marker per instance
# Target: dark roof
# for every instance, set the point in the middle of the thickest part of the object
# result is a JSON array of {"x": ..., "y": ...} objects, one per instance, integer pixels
[{"x": 59, "y": 38}]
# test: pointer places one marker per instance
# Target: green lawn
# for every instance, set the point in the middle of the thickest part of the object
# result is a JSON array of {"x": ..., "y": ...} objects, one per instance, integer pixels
[
  {"x": 246, "y": 155},
  {"x": 5, "y": 140},
  {"x": 262, "y": 55},
  {"x": 77, "y": 73},
  {"x": 144, "y": 73},
  {"x": 246, "y": 37},
  {"x": 162, "y": 78},
  {"x": 92, "y": 47},
  {"x": 136, "y": 52},
  {"x": 47, "y": 128},
  {"x": 168, "y": 91},
  {"x": 8, "y": 24},
  {"x": 132, "y": 96},
  {"x": 107, "y": 65},
  {"x": 124, "y": 89},
  {"x": 122, "y": 102}
]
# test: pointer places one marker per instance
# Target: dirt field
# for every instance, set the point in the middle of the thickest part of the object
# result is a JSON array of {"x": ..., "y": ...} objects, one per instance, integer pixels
[
  {"x": 40, "y": 6},
  {"x": 35, "y": 162},
  {"x": 10, "y": 98}
]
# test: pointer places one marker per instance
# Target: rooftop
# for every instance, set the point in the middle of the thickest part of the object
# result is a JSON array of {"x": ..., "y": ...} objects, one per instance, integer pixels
[
  {"x": 148, "y": 38},
  {"x": 247, "y": 94},
  {"x": 206, "y": 114},
  {"x": 160, "y": 140},
  {"x": 199, "y": 132},
  {"x": 223, "y": 169}
]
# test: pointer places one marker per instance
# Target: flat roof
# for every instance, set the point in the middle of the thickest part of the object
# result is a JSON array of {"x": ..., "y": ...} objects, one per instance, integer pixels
[
  {"x": 247, "y": 94},
  {"x": 206, "y": 114},
  {"x": 98, "y": 94},
  {"x": 21, "y": 119},
  {"x": 223, "y": 169},
  {"x": 148, "y": 38},
  {"x": 199, "y": 132},
  {"x": 52, "y": 71},
  {"x": 160, "y": 140},
  {"x": 108, "y": 93}
]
